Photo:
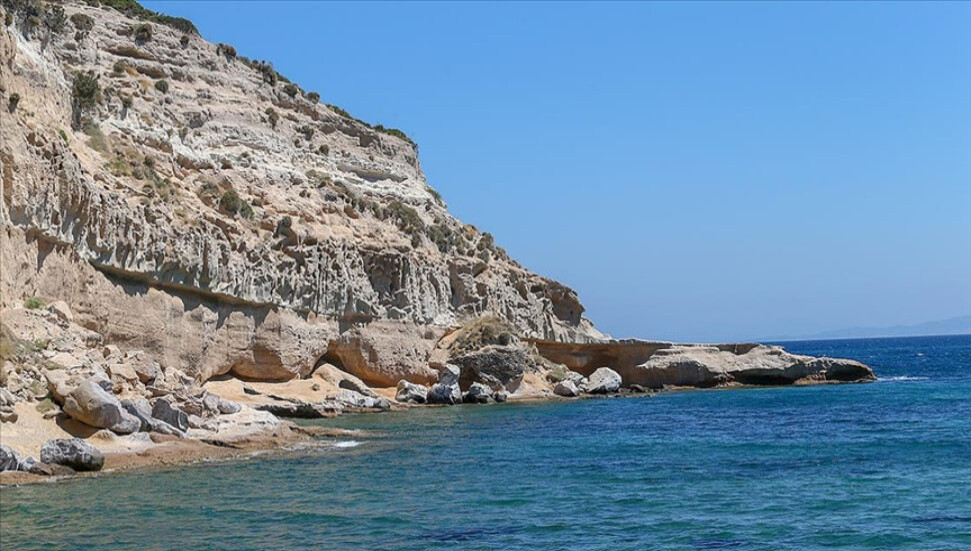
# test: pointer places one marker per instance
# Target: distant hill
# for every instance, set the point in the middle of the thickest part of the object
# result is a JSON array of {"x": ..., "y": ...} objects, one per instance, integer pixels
[{"x": 960, "y": 325}]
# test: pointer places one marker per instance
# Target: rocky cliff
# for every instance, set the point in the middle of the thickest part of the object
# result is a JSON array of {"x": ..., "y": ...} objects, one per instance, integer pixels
[{"x": 196, "y": 204}]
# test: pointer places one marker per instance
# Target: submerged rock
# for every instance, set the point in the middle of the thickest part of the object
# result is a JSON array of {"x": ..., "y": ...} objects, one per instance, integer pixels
[{"x": 72, "y": 452}]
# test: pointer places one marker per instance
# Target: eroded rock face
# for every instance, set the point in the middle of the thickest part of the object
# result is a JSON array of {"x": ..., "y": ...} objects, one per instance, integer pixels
[
  {"x": 331, "y": 242},
  {"x": 494, "y": 365},
  {"x": 72, "y": 452},
  {"x": 566, "y": 389}
]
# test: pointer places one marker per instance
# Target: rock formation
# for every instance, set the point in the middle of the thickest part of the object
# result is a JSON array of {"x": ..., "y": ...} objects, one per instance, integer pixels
[{"x": 176, "y": 219}]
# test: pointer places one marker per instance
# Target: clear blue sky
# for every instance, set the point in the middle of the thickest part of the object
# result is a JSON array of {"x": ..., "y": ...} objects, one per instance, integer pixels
[{"x": 697, "y": 171}]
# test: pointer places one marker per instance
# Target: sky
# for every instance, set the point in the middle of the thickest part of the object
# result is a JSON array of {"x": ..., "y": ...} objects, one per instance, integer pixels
[{"x": 696, "y": 171}]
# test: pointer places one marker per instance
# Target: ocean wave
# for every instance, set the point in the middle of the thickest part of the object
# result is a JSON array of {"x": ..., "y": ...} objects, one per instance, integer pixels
[
  {"x": 902, "y": 378},
  {"x": 346, "y": 444}
]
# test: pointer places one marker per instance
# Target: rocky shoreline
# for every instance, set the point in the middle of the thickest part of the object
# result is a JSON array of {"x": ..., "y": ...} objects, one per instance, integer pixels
[{"x": 193, "y": 249}]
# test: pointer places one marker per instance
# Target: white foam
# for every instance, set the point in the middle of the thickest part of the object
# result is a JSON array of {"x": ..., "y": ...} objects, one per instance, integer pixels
[
  {"x": 902, "y": 378},
  {"x": 347, "y": 444}
]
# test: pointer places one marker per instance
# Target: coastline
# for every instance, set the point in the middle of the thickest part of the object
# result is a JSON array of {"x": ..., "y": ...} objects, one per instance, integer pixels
[{"x": 174, "y": 452}]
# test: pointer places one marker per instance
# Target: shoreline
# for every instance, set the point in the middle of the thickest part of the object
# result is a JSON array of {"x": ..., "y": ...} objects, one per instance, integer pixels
[{"x": 174, "y": 452}]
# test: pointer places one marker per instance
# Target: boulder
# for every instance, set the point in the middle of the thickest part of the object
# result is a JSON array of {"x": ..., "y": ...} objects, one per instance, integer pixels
[
  {"x": 9, "y": 459},
  {"x": 166, "y": 412},
  {"x": 566, "y": 388},
  {"x": 33, "y": 466},
  {"x": 500, "y": 396},
  {"x": 441, "y": 393},
  {"x": 342, "y": 379},
  {"x": 8, "y": 415},
  {"x": 449, "y": 375},
  {"x": 411, "y": 393},
  {"x": 90, "y": 404},
  {"x": 227, "y": 407},
  {"x": 142, "y": 410},
  {"x": 352, "y": 399},
  {"x": 72, "y": 452},
  {"x": 478, "y": 393},
  {"x": 494, "y": 365},
  {"x": 60, "y": 383},
  {"x": 602, "y": 381}
]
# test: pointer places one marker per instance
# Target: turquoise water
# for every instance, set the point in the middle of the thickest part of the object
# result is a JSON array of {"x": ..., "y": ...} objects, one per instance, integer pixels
[{"x": 885, "y": 465}]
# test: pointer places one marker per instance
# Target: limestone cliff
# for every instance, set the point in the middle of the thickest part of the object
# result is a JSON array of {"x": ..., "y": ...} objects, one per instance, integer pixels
[{"x": 193, "y": 203}]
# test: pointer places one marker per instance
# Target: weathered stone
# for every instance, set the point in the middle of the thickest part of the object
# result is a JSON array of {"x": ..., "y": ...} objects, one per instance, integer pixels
[
  {"x": 411, "y": 392},
  {"x": 8, "y": 415},
  {"x": 602, "y": 381},
  {"x": 500, "y": 396},
  {"x": 142, "y": 410},
  {"x": 441, "y": 393},
  {"x": 228, "y": 407},
  {"x": 62, "y": 311},
  {"x": 91, "y": 405},
  {"x": 494, "y": 365},
  {"x": 166, "y": 412},
  {"x": 9, "y": 459},
  {"x": 356, "y": 400},
  {"x": 566, "y": 388},
  {"x": 477, "y": 393},
  {"x": 449, "y": 375},
  {"x": 72, "y": 452}
]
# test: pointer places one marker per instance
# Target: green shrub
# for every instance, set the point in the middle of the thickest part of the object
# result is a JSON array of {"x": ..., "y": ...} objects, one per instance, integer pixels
[
  {"x": 394, "y": 132},
  {"x": 55, "y": 20},
  {"x": 291, "y": 90},
  {"x": 314, "y": 97},
  {"x": 184, "y": 41},
  {"x": 406, "y": 218},
  {"x": 86, "y": 91},
  {"x": 269, "y": 74},
  {"x": 232, "y": 203},
  {"x": 7, "y": 19},
  {"x": 341, "y": 112},
  {"x": 34, "y": 303},
  {"x": 486, "y": 242},
  {"x": 142, "y": 32},
  {"x": 133, "y": 9},
  {"x": 435, "y": 195},
  {"x": 119, "y": 67},
  {"x": 62, "y": 134},
  {"x": 307, "y": 131},
  {"x": 226, "y": 50},
  {"x": 324, "y": 149},
  {"x": 83, "y": 24},
  {"x": 13, "y": 101},
  {"x": 126, "y": 101},
  {"x": 162, "y": 86},
  {"x": 272, "y": 116}
]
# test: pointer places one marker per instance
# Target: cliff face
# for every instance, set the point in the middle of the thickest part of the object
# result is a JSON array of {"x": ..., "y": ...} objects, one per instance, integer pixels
[{"x": 195, "y": 204}]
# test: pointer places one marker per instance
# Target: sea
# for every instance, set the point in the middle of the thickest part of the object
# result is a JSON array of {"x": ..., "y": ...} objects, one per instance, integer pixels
[{"x": 882, "y": 465}]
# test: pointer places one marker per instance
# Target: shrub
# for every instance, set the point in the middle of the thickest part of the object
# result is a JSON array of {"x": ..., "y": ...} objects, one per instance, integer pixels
[
  {"x": 272, "y": 116},
  {"x": 435, "y": 194},
  {"x": 184, "y": 41},
  {"x": 324, "y": 149},
  {"x": 340, "y": 112},
  {"x": 83, "y": 24},
  {"x": 268, "y": 73},
  {"x": 307, "y": 131},
  {"x": 284, "y": 225},
  {"x": 133, "y": 9},
  {"x": 55, "y": 20},
  {"x": 313, "y": 97},
  {"x": 119, "y": 67},
  {"x": 481, "y": 332},
  {"x": 226, "y": 50},
  {"x": 394, "y": 132},
  {"x": 406, "y": 218},
  {"x": 7, "y": 19},
  {"x": 162, "y": 86},
  {"x": 486, "y": 242},
  {"x": 86, "y": 91},
  {"x": 142, "y": 32},
  {"x": 13, "y": 101},
  {"x": 34, "y": 303},
  {"x": 126, "y": 101},
  {"x": 62, "y": 134},
  {"x": 232, "y": 203},
  {"x": 291, "y": 90}
]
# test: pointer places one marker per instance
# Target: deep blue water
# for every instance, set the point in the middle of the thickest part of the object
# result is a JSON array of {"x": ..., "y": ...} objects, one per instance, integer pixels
[{"x": 885, "y": 465}]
